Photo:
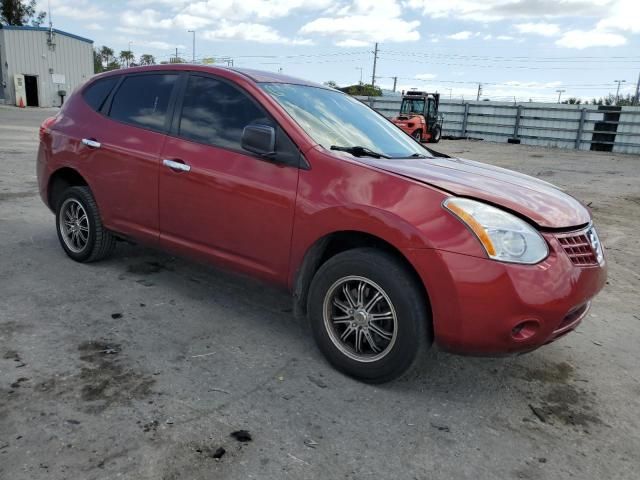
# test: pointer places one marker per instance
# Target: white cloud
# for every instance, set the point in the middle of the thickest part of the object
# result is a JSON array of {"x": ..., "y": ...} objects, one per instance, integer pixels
[
  {"x": 540, "y": 28},
  {"x": 351, "y": 43},
  {"x": 252, "y": 32},
  {"x": 132, "y": 31},
  {"x": 496, "y": 10},
  {"x": 74, "y": 9},
  {"x": 95, "y": 26},
  {"x": 157, "y": 44},
  {"x": 465, "y": 35},
  {"x": 425, "y": 76},
  {"x": 364, "y": 28},
  {"x": 624, "y": 15},
  {"x": 147, "y": 18},
  {"x": 581, "y": 39},
  {"x": 365, "y": 21},
  {"x": 183, "y": 14},
  {"x": 506, "y": 38}
]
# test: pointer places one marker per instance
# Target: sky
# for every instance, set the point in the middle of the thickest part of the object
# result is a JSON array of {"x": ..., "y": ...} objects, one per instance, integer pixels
[{"x": 522, "y": 49}]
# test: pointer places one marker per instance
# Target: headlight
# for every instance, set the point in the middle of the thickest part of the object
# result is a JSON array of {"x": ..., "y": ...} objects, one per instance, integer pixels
[{"x": 504, "y": 236}]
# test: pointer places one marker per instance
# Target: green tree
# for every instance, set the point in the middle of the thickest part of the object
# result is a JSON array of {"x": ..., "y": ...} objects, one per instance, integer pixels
[
  {"x": 112, "y": 65},
  {"x": 106, "y": 54},
  {"x": 126, "y": 57},
  {"x": 20, "y": 13},
  {"x": 146, "y": 59},
  {"x": 331, "y": 84},
  {"x": 363, "y": 90},
  {"x": 97, "y": 62}
]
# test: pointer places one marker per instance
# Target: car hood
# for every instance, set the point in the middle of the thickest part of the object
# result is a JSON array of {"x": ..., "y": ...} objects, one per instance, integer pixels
[{"x": 543, "y": 203}]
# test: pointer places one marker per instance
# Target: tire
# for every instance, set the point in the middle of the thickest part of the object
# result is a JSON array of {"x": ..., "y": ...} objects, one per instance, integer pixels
[
  {"x": 85, "y": 240},
  {"x": 404, "y": 337},
  {"x": 436, "y": 134},
  {"x": 417, "y": 135}
]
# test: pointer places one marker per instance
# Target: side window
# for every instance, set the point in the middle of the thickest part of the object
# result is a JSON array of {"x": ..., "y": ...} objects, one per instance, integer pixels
[
  {"x": 143, "y": 100},
  {"x": 98, "y": 91},
  {"x": 216, "y": 113},
  {"x": 432, "y": 108}
]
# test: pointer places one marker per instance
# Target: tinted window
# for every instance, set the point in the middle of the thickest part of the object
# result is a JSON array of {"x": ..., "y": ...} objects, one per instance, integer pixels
[
  {"x": 215, "y": 113},
  {"x": 142, "y": 100},
  {"x": 97, "y": 92}
]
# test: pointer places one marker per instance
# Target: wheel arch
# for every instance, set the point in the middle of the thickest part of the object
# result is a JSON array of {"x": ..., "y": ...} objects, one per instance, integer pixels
[
  {"x": 59, "y": 181},
  {"x": 336, "y": 242}
]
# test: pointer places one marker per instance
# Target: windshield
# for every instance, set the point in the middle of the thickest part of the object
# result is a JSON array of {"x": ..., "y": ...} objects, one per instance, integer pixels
[
  {"x": 412, "y": 106},
  {"x": 333, "y": 118}
]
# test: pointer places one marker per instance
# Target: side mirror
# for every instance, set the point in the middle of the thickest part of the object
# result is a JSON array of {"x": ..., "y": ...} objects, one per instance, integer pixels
[{"x": 260, "y": 139}]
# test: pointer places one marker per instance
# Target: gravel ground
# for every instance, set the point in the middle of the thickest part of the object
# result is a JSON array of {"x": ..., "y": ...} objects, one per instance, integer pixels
[{"x": 143, "y": 366}]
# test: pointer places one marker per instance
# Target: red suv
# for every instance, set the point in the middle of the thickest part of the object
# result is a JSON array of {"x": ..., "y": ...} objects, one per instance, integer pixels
[{"x": 386, "y": 245}]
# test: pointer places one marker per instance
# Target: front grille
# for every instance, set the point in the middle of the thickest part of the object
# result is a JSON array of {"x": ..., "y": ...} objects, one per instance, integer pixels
[{"x": 579, "y": 249}]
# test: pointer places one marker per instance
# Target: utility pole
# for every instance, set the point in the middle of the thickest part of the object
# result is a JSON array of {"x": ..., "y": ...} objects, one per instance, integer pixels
[
  {"x": 560, "y": 92},
  {"x": 479, "y": 92},
  {"x": 375, "y": 60},
  {"x": 360, "y": 68},
  {"x": 636, "y": 99},
  {"x": 395, "y": 83},
  {"x": 193, "y": 58},
  {"x": 618, "y": 89}
]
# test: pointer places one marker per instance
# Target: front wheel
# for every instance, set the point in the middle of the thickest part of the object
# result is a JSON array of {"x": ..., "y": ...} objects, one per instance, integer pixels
[
  {"x": 436, "y": 134},
  {"x": 368, "y": 315},
  {"x": 79, "y": 226}
]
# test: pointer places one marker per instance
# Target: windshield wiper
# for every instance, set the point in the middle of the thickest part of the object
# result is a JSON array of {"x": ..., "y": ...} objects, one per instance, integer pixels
[{"x": 359, "y": 151}]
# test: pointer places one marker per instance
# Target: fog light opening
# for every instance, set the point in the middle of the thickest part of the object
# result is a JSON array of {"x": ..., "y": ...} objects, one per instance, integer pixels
[{"x": 525, "y": 330}]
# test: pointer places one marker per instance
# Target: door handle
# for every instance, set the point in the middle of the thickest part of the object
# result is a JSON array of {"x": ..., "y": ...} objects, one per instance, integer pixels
[
  {"x": 176, "y": 165},
  {"x": 91, "y": 143}
]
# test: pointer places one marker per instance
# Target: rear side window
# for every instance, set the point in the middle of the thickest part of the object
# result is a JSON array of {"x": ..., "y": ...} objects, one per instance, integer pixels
[
  {"x": 143, "y": 100},
  {"x": 216, "y": 113},
  {"x": 96, "y": 93}
]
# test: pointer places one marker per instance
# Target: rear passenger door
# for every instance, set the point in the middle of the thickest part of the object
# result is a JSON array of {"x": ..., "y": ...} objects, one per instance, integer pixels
[
  {"x": 226, "y": 204},
  {"x": 124, "y": 148}
]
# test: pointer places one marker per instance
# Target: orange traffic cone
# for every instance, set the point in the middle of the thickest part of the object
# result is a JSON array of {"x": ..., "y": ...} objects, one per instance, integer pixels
[{"x": 21, "y": 103}]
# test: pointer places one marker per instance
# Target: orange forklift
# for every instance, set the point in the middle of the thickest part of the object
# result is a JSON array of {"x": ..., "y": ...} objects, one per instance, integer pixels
[{"x": 419, "y": 116}]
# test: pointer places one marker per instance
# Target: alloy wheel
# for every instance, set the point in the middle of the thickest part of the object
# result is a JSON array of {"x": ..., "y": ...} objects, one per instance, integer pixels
[
  {"x": 74, "y": 225},
  {"x": 360, "y": 319}
]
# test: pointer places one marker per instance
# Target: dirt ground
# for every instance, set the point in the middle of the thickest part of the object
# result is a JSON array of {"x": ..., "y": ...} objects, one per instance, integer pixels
[{"x": 143, "y": 366}]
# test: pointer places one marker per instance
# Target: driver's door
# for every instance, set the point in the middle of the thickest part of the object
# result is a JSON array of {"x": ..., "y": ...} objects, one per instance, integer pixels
[
  {"x": 431, "y": 114},
  {"x": 217, "y": 201}
]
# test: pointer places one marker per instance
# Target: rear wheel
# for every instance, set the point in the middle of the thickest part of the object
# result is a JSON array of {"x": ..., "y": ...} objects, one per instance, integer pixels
[
  {"x": 79, "y": 226},
  {"x": 368, "y": 315},
  {"x": 436, "y": 134},
  {"x": 417, "y": 135}
]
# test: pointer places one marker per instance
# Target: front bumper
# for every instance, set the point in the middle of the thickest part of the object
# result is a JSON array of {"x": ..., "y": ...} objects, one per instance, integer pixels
[{"x": 484, "y": 307}]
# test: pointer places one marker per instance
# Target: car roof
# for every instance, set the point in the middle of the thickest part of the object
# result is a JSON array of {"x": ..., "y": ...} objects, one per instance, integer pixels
[{"x": 257, "y": 76}]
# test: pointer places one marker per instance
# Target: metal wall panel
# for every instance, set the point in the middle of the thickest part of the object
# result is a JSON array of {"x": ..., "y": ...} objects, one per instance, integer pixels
[
  {"x": 542, "y": 124},
  {"x": 27, "y": 53}
]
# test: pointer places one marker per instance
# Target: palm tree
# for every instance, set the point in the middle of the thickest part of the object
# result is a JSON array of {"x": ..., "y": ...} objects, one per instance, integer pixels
[
  {"x": 106, "y": 54},
  {"x": 147, "y": 59},
  {"x": 126, "y": 57}
]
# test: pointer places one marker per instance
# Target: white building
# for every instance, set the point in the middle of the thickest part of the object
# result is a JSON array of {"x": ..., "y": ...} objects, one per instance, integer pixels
[{"x": 36, "y": 63}]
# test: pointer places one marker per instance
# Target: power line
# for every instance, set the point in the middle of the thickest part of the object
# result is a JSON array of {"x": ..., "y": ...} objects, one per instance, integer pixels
[{"x": 485, "y": 65}]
